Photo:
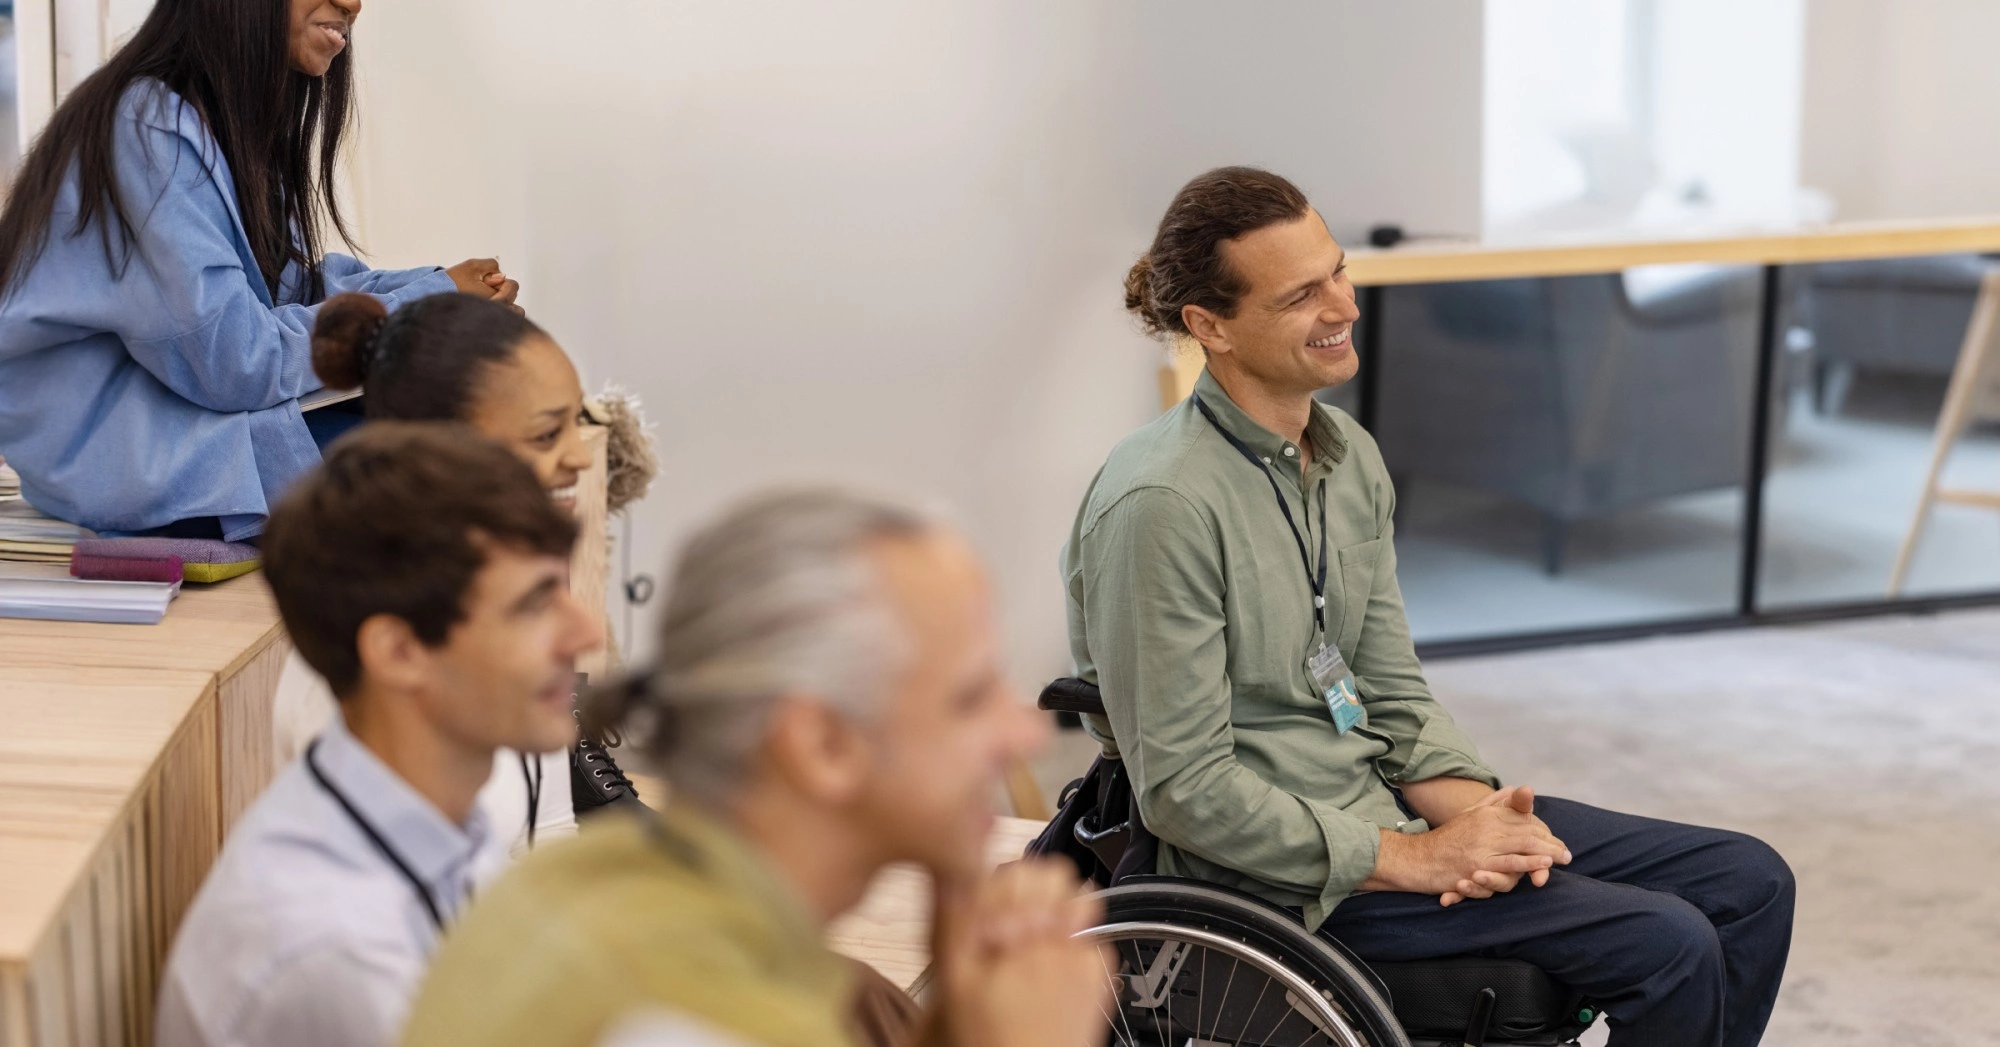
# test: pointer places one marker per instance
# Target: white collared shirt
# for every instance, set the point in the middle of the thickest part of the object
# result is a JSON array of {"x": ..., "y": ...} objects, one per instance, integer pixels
[
  {"x": 304, "y": 933},
  {"x": 304, "y": 705}
]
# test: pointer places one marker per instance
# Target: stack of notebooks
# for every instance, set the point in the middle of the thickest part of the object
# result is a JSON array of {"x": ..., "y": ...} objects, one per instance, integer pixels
[
  {"x": 25, "y": 534},
  {"x": 77, "y": 600}
]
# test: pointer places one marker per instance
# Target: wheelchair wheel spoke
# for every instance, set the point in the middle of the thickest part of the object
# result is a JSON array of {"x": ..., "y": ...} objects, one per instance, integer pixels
[
  {"x": 1151, "y": 958},
  {"x": 1201, "y": 993},
  {"x": 1118, "y": 998},
  {"x": 1313, "y": 1030},
  {"x": 1165, "y": 1039},
  {"x": 1233, "y": 964},
  {"x": 1252, "y": 1016}
]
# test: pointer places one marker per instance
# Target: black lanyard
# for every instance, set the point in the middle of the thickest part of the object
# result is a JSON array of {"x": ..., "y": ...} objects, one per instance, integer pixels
[
  {"x": 1317, "y": 581},
  {"x": 534, "y": 784},
  {"x": 374, "y": 837}
]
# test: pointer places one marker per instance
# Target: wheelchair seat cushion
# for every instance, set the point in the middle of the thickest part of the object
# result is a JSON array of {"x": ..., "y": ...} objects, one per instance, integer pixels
[{"x": 1435, "y": 998}]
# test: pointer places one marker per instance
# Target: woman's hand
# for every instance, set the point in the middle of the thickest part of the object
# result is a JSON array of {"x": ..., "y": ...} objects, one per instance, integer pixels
[{"x": 482, "y": 277}]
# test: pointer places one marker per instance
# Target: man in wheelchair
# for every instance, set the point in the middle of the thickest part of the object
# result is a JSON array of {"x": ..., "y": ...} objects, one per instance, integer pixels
[{"x": 1232, "y": 593}]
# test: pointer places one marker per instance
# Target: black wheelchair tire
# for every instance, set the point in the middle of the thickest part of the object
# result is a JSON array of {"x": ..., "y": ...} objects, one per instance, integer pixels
[{"x": 1269, "y": 929}]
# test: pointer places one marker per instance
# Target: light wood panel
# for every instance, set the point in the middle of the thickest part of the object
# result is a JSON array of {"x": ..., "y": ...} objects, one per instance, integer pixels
[
  {"x": 110, "y": 815},
  {"x": 229, "y": 631},
  {"x": 890, "y": 930},
  {"x": 590, "y": 564},
  {"x": 1422, "y": 263},
  {"x": 1024, "y": 793},
  {"x": 244, "y": 729},
  {"x": 128, "y": 750}
]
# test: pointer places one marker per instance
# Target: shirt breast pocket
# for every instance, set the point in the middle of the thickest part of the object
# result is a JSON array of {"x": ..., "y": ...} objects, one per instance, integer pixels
[{"x": 1357, "y": 581}]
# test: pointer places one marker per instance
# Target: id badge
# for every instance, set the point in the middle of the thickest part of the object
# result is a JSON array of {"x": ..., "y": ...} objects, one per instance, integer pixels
[{"x": 1336, "y": 684}]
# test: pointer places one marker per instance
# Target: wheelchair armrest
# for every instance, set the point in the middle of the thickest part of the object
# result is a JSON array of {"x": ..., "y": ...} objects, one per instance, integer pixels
[{"x": 1071, "y": 695}]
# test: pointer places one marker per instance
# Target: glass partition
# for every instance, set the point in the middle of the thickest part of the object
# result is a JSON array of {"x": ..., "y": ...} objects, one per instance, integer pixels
[
  {"x": 1574, "y": 454},
  {"x": 1874, "y": 344},
  {"x": 1569, "y": 452}
]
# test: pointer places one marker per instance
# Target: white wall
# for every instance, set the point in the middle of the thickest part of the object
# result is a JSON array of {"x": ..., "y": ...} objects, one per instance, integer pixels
[
  {"x": 885, "y": 240},
  {"x": 33, "y": 68},
  {"x": 47, "y": 50},
  {"x": 1555, "y": 71},
  {"x": 1725, "y": 104},
  {"x": 1641, "y": 114},
  {"x": 1899, "y": 107}
]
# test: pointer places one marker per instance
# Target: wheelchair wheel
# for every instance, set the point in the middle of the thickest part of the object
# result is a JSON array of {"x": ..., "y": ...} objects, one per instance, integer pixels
[{"x": 1205, "y": 966}]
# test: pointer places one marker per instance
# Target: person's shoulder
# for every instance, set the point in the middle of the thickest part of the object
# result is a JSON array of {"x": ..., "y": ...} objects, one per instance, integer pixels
[
  {"x": 148, "y": 100},
  {"x": 1155, "y": 457},
  {"x": 284, "y": 896},
  {"x": 148, "y": 103},
  {"x": 609, "y": 878},
  {"x": 285, "y": 877},
  {"x": 582, "y": 930}
]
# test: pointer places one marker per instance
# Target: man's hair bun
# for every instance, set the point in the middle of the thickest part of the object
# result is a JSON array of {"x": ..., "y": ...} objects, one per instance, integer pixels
[
  {"x": 1139, "y": 297},
  {"x": 345, "y": 338}
]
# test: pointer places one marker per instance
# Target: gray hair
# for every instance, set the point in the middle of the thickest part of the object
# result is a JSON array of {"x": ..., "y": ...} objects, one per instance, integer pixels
[{"x": 776, "y": 597}]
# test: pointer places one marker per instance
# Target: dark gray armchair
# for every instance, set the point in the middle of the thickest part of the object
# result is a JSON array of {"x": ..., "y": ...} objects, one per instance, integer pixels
[
  {"x": 1566, "y": 394},
  {"x": 1904, "y": 315}
]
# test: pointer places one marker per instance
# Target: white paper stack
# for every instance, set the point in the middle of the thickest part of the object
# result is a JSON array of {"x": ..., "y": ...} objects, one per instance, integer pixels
[
  {"x": 79, "y": 600},
  {"x": 26, "y": 535}
]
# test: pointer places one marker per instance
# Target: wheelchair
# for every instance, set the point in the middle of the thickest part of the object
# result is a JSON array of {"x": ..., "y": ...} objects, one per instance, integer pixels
[{"x": 1200, "y": 965}]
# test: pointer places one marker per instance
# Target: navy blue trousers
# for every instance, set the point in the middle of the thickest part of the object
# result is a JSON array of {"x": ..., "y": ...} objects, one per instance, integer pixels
[{"x": 1679, "y": 933}]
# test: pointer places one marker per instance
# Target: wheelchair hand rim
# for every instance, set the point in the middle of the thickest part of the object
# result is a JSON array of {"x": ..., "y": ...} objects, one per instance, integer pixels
[{"x": 1322, "y": 1012}]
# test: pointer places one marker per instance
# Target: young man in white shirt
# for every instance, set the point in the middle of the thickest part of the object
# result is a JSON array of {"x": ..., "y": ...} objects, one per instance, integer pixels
[{"x": 424, "y": 572}]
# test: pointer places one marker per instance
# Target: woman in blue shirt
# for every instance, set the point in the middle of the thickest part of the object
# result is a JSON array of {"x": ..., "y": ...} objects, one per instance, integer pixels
[{"x": 161, "y": 264}]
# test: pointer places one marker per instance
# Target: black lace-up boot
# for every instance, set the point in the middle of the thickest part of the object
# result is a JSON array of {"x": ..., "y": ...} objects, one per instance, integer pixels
[{"x": 595, "y": 780}]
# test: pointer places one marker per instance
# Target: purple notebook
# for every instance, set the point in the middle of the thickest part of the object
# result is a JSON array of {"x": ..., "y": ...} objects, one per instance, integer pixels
[{"x": 201, "y": 559}]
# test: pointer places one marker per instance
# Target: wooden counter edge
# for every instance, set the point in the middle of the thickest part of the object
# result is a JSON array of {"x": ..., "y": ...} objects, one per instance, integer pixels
[{"x": 1444, "y": 263}]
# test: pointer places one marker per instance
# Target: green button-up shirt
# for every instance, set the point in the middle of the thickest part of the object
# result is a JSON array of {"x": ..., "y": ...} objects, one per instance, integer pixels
[{"x": 1190, "y": 608}]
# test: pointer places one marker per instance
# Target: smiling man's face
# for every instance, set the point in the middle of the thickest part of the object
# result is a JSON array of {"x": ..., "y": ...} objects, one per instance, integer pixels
[
  {"x": 504, "y": 674},
  {"x": 1292, "y": 329}
]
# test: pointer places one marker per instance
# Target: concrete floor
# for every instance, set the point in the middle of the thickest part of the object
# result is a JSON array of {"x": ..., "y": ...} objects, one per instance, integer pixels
[{"x": 1864, "y": 751}]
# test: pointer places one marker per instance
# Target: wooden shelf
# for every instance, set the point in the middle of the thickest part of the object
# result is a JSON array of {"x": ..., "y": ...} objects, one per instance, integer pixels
[{"x": 1422, "y": 263}]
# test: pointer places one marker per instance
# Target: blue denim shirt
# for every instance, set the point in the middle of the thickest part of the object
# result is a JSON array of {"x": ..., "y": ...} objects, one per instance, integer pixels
[{"x": 164, "y": 385}]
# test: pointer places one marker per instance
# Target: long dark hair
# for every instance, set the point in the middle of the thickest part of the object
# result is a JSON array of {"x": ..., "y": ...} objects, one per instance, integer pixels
[{"x": 279, "y": 130}]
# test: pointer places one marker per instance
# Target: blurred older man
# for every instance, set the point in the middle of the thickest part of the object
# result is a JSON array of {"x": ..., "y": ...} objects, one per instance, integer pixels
[{"x": 828, "y": 699}]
